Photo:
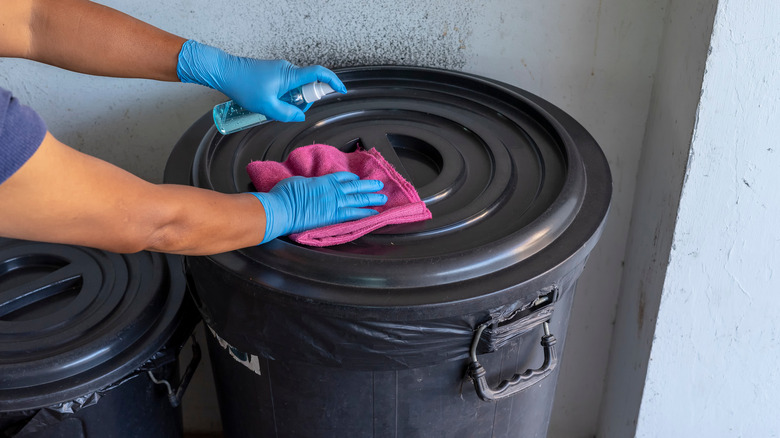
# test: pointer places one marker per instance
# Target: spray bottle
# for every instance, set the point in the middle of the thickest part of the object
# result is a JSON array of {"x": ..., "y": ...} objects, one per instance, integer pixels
[{"x": 229, "y": 117}]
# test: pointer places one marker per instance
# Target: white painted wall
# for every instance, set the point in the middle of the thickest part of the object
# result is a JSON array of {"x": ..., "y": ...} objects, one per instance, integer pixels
[
  {"x": 670, "y": 126},
  {"x": 713, "y": 366},
  {"x": 593, "y": 58}
]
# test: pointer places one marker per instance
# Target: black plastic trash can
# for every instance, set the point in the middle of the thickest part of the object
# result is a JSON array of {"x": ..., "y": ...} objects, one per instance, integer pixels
[
  {"x": 451, "y": 327},
  {"x": 89, "y": 342}
]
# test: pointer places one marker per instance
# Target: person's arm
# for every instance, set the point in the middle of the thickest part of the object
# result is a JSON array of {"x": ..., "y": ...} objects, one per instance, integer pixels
[
  {"x": 61, "y": 195},
  {"x": 87, "y": 37},
  {"x": 90, "y": 38}
]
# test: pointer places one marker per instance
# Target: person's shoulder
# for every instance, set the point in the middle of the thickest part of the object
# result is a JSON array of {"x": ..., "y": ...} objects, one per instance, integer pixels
[
  {"x": 5, "y": 96},
  {"x": 21, "y": 132},
  {"x": 6, "y": 99}
]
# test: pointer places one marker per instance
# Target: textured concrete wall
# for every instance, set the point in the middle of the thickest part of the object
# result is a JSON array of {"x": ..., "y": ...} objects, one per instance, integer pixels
[
  {"x": 593, "y": 58},
  {"x": 712, "y": 371},
  {"x": 670, "y": 126}
]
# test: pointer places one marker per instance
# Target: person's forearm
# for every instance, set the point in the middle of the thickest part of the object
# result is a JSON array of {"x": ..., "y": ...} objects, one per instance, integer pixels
[
  {"x": 201, "y": 222},
  {"x": 87, "y": 37},
  {"x": 61, "y": 195}
]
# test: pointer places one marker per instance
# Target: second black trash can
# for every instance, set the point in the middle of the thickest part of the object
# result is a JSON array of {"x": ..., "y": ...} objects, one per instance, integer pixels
[
  {"x": 90, "y": 341},
  {"x": 451, "y": 327}
]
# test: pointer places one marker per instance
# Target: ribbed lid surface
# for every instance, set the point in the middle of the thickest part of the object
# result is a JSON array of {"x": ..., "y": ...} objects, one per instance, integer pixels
[
  {"x": 74, "y": 320},
  {"x": 515, "y": 187}
]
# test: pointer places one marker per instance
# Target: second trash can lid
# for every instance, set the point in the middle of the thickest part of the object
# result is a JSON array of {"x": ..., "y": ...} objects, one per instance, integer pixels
[
  {"x": 74, "y": 320},
  {"x": 516, "y": 188}
]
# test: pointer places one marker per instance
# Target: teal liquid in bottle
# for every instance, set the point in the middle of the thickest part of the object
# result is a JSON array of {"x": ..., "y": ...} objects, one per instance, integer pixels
[{"x": 229, "y": 117}]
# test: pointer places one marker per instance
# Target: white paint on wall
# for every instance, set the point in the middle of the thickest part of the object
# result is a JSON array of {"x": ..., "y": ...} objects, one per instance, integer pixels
[
  {"x": 593, "y": 58},
  {"x": 676, "y": 91},
  {"x": 713, "y": 366}
]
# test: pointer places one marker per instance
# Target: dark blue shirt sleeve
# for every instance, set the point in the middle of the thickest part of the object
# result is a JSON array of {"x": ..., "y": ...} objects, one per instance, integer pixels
[{"x": 21, "y": 132}]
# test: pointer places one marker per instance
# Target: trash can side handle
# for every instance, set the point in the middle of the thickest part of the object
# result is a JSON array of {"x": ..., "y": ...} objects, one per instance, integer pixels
[
  {"x": 518, "y": 382},
  {"x": 175, "y": 396}
]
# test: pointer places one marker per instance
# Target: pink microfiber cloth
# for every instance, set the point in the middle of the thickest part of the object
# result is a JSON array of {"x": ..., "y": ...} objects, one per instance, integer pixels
[{"x": 403, "y": 203}]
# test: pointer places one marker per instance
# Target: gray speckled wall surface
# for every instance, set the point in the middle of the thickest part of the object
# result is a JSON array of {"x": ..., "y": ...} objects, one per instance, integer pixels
[
  {"x": 593, "y": 58},
  {"x": 345, "y": 33}
]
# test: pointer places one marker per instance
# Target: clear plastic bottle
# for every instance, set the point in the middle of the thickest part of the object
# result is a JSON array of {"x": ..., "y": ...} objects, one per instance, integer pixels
[{"x": 229, "y": 117}]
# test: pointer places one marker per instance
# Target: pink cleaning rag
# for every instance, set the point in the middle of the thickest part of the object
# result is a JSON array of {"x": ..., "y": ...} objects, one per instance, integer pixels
[{"x": 403, "y": 203}]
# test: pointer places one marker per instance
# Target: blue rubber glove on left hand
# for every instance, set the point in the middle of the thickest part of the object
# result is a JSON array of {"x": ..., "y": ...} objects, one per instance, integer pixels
[
  {"x": 298, "y": 204},
  {"x": 254, "y": 84}
]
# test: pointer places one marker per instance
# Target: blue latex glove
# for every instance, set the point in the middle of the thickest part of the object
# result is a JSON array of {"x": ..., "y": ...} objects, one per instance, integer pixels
[
  {"x": 253, "y": 83},
  {"x": 297, "y": 204}
]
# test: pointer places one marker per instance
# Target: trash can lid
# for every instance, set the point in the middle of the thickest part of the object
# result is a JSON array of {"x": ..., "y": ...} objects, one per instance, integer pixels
[
  {"x": 75, "y": 320},
  {"x": 516, "y": 187}
]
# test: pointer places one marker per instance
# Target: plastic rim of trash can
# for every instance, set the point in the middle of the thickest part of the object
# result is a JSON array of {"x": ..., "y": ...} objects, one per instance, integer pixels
[{"x": 516, "y": 187}]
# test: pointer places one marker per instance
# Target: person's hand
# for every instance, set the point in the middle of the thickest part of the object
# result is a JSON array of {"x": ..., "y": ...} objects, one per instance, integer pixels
[
  {"x": 297, "y": 204},
  {"x": 252, "y": 83}
]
